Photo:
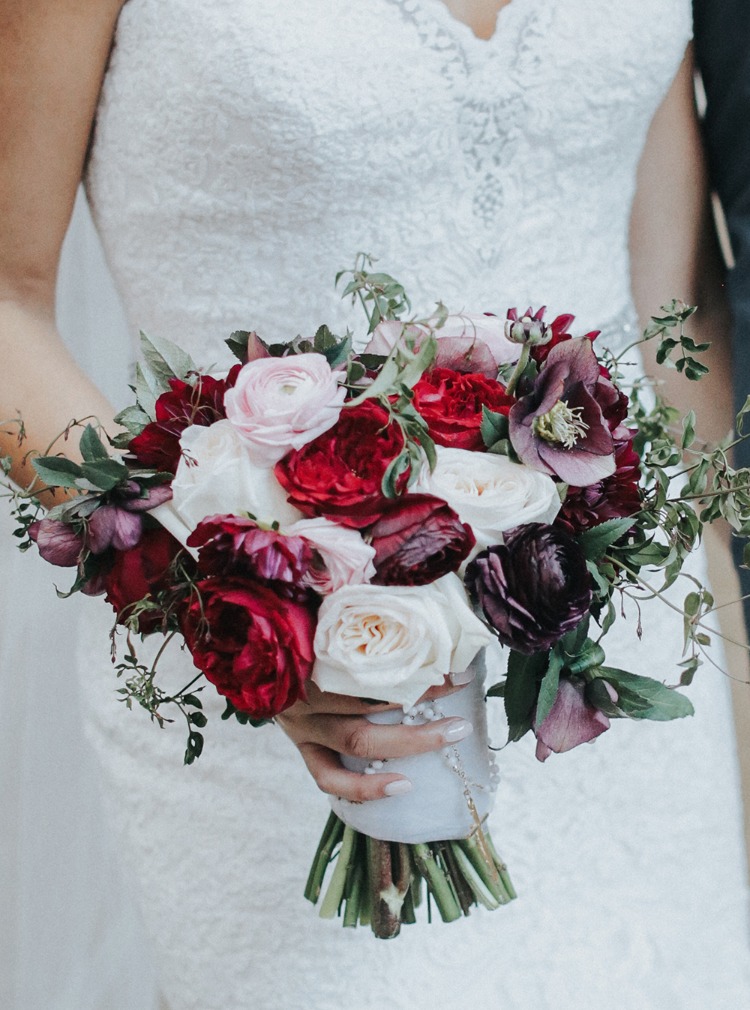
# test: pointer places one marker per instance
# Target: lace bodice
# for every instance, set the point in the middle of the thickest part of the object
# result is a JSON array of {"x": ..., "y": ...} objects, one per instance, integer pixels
[{"x": 245, "y": 150}]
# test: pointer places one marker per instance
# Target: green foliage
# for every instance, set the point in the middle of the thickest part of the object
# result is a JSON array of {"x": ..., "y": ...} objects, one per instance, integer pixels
[{"x": 380, "y": 295}]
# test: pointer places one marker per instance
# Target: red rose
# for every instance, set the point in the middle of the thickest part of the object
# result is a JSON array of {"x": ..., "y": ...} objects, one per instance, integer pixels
[
  {"x": 339, "y": 474},
  {"x": 451, "y": 404},
  {"x": 231, "y": 545},
  {"x": 158, "y": 445},
  {"x": 254, "y": 646},
  {"x": 418, "y": 540},
  {"x": 139, "y": 573}
]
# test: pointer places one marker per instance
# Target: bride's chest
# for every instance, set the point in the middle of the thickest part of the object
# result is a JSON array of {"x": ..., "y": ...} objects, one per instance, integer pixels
[{"x": 287, "y": 77}]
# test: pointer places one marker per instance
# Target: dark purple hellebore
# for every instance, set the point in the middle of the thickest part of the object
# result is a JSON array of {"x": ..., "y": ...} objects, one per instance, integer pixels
[
  {"x": 119, "y": 524},
  {"x": 533, "y": 588},
  {"x": 559, "y": 427},
  {"x": 571, "y": 721}
]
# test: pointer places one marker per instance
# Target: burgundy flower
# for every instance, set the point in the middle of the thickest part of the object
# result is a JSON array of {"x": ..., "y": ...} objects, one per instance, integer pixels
[
  {"x": 418, "y": 540},
  {"x": 533, "y": 588},
  {"x": 138, "y": 573},
  {"x": 571, "y": 721},
  {"x": 158, "y": 445},
  {"x": 58, "y": 542},
  {"x": 451, "y": 404},
  {"x": 559, "y": 427},
  {"x": 338, "y": 475},
  {"x": 231, "y": 545},
  {"x": 254, "y": 646},
  {"x": 612, "y": 498}
]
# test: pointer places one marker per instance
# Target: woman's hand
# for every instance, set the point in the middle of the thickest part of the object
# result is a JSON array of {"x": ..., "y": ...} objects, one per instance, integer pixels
[{"x": 326, "y": 725}]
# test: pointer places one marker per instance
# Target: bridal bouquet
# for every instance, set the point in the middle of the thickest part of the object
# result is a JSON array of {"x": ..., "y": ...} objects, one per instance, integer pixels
[{"x": 371, "y": 520}]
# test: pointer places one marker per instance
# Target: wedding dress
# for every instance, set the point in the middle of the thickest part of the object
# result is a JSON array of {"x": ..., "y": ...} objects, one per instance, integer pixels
[{"x": 244, "y": 152}]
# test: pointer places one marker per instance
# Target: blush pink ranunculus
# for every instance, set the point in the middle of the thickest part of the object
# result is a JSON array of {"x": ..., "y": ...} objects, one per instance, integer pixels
[{"x": 279, "y": 404}]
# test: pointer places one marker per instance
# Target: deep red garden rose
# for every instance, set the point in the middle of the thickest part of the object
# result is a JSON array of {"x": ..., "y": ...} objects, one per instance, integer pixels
[
  {"x": 418, "y": 540},
  {"x": 137, "y": 573},
  {"x": 158, "y": 445},
  {"x": 231, "y": 545},
  {"x": 254, "y": 646},
  {"x": 338, "y": 475},
  {"x": 451, "y": 404}
]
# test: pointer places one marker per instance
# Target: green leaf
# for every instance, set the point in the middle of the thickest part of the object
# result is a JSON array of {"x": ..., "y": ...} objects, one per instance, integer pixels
[
  {"x": 548, "y": 687},
  {"x": 91, "y": 446},
  {"x": 104, "y": 474},
  {"x": 521, "y": 690},
  {"x": 688, "y": 429},
  {"x": 166, "y": 360},
  {"x": 147, "y": 390},
  {"x": 596, "y": 541},
  {"x": 494, "y": 427},
  {"x": 134, "y": 419},
  {"x": 57, "y": 471},
  {"x": 396, "y": 468},
  {"x": 645, "y": 698}
]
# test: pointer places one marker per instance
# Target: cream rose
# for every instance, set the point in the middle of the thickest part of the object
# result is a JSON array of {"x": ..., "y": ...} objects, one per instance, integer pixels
[
  {"x": 394, "y": 642},
  {"x": 490, "y": 492},
  {"x": 279, "y": 404},
  {"x": 347, "y": 559},
  {"x": 216, "y": 476}
]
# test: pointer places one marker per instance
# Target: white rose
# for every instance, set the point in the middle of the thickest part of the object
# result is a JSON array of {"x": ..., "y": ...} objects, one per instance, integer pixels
[
  {"x": 216, "y": 476},
  {"x": 279, "y": 404},
  {"x": 490, "y": 492},
  {"x": 394, "y": 642},
  {"x": 348, "y": 560}
]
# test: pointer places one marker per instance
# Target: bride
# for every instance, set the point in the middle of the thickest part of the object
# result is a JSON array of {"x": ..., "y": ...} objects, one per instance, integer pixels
[{"x": 236, "y": 155}]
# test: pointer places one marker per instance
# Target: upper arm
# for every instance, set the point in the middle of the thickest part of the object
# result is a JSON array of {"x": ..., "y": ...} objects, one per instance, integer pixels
[
  {"x": 673, "y": 247},
  {"x": 54, "y": 54},
  {"x": 675, "y": 252}
]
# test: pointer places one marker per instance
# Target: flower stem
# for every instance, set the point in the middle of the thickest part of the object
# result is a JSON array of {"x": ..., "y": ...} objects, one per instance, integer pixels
[
  {"x": 330, "y": 838},
  {"x": 335, "y": 892},
  {"x": 386, "y": 897},
  {"x": 502, "y": 868},
  {"x": 518, "y": 370},
  {"x": 447, "y": 904}
]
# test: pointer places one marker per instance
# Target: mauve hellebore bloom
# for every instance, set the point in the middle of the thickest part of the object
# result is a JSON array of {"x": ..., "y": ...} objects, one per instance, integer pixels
[
  {"x": 571, "y": 721},
  {"x": 559, "y": 427},
  {"x": 533, "y": 588}
]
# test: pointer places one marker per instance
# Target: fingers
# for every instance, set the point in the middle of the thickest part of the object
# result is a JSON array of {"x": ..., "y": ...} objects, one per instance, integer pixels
[
  {"x": 330, "y": 776},
  {"x": 359, "y": 738},
  {"x": 340, "y": 704}
]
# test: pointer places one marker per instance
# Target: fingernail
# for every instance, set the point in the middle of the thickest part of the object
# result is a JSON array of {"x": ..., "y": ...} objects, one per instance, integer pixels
[
  {"x": 456, "y": 729},
  {"x": 465, "y": 677},
  {"x": 398, "y": 788}
]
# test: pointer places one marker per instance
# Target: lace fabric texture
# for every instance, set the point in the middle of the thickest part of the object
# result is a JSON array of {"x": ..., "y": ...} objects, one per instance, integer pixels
[{"x": 244, "y": 152}]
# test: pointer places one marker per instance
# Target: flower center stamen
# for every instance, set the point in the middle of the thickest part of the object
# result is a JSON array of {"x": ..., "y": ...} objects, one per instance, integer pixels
[{"x": 561, "y": 425}]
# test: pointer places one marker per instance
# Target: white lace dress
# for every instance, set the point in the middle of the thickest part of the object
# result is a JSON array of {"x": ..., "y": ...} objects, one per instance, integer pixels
[{"x": 244, "y": 152}]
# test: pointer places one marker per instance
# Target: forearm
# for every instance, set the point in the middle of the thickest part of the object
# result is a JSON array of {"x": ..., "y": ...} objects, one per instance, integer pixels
[{"x": 41, "y": 385}]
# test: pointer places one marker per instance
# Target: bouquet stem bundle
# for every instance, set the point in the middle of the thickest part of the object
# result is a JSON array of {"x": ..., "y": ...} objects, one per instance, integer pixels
[{"x": 380, "y": 884}]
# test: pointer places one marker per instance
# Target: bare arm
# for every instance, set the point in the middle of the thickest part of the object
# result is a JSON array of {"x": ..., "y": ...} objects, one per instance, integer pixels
[
  {"x": 675, "y": 254},
  {"x": 49, "y": 86},
  {"x": 54, "y": 57}
]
